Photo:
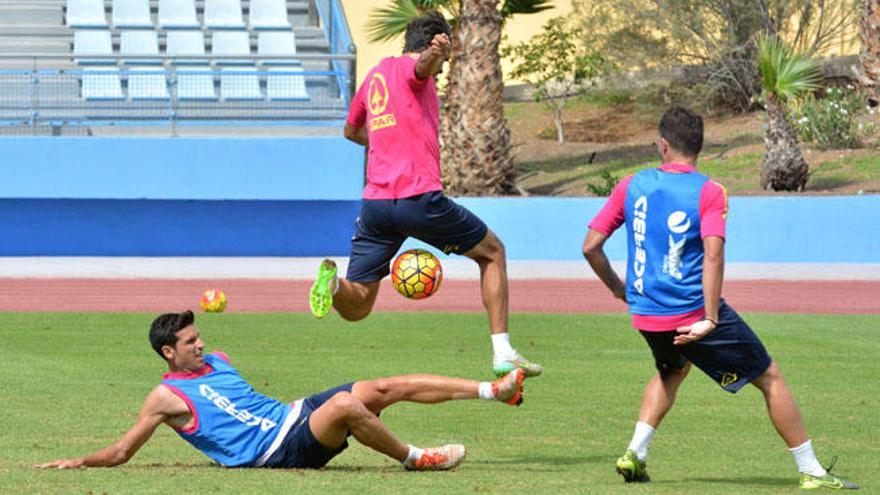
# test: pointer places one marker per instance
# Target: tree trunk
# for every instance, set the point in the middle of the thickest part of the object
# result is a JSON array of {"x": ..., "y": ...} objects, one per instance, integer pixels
[
  {"x": 869, "y": 56},
  {"x": 476, "y": 151},
  {"x": 557, "y": 121},
  {"x": 784, "y": 167}
]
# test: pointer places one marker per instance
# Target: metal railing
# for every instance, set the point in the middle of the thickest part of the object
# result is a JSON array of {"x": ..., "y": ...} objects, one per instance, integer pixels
[
  {"x": 52, "y": 90},
  {"x": 335, "y": 26}
]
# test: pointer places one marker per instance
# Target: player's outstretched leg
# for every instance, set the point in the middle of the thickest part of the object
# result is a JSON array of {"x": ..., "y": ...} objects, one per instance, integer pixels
[
  {"x": 786, "y": 418},
  {"x": 492, "y": 260},
  {"x": 321, "y": 294}
]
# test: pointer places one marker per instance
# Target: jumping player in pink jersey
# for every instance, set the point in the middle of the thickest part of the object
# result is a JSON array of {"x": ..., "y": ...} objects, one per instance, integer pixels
[
  {"x": 205, "y": 400},
  {"x": 675, "y": 223},
  {"x": 395, "y": 114}
]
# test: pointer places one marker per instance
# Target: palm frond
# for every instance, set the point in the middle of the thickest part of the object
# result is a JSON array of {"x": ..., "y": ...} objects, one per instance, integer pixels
[
  {"x": 784, "y": 72},
  {"x": 387, "y": 23},
  {"x": 513, "y": 7}
]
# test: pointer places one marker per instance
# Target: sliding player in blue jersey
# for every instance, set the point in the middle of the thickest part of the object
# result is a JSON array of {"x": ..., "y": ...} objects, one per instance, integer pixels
[
  {"x": 205, "y": 400},
  {"x": 675, "y": 223}
]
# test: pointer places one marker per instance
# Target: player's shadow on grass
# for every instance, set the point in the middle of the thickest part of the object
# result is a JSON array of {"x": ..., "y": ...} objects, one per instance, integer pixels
[{"x": 751, "y": 481}]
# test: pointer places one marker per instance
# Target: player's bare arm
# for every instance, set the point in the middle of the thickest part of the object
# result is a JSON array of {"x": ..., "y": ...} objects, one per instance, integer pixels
[
  {"x": 431, "y": 59},
  {"x": 594, "y": 252},
  {"x": 357, "y": 134},
  {"x": 713, "y": 276},
  {"x": 161, "y": 405}
]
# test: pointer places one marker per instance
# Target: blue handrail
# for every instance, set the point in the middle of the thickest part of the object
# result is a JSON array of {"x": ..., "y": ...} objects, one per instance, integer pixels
[{"x": 339, "y": 37}]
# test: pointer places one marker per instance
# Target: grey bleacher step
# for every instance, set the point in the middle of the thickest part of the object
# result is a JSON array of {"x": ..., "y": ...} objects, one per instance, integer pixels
[{"x": 36, "y": 15}]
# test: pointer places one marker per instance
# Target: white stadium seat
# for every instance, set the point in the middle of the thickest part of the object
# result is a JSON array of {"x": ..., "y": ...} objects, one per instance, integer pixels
[
  {"x": 132, "y": 14},
  {"x": 92, "y": 42},
  {"x": 195, "y": 83},
  {"x": 276, "y": 44},
  {"x": 141, "y": 43},
  {"x": 268, "y": 14},
  {"x": 240, "y": 83},
  {"x": 236, "y": 43},
  {"x": 186, "y": 44},
  {"x": 86, "y": 13},
  {"x": 101, "y": 83},
  {"x": 286, "y": 84},
  {"x": 178, "y": 14},
  {"x": 223, "y": 14},
  {"x": 147, "y": 83}
]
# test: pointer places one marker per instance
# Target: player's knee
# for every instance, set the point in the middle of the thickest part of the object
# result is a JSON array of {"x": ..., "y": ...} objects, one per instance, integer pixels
[
  {"x": 772, "y": 374},
  {"x": 491, "y": 250},
  {"x": 343, "y": 403}
]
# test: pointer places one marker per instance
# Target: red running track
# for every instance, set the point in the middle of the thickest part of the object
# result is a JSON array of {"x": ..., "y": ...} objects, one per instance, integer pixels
[{"x": 544, "y": 296}]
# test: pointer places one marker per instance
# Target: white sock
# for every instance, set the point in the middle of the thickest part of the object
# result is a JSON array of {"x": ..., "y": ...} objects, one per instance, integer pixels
[
  {"x": 806, "y": 459},
  {"x": 486, "y": 391},
  {"x": 641, "y": 439},
  {"x": 334, "y": 285},
  {"x": 501, "y": 346},
  {"x": 414, "y": 454}
]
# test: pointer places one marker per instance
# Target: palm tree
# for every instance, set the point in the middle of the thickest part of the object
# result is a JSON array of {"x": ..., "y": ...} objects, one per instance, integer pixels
[
  {"x": 475, "y": 139},
  {"x": 869, "y": 56},
  {"x": 784, "y": 75}
]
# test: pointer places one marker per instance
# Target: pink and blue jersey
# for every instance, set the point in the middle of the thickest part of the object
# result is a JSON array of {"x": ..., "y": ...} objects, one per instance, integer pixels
[
  {"x": 667, "y": 212},
  {"x": 232, "y": 424},
  {"x": 402, "y": 115}
]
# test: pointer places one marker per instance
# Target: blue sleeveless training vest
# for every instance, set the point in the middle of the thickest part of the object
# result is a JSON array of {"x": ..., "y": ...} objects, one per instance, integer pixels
[
  {"x": 664, "y": 274},
  {"x": 233, "y": 424}
]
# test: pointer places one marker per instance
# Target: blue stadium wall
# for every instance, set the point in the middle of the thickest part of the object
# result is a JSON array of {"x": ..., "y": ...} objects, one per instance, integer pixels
[{"x": 300, "y": 196}]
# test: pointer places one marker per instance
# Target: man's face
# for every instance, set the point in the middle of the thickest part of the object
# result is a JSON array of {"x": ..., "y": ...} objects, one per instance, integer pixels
[{"x": 187, "y": 352}]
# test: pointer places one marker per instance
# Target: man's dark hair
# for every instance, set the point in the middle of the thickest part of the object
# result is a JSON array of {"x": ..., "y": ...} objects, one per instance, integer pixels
[
  {"x": 421, "y": 30},
  {"x": 683, "y": 129},
  {"x": 164, "y": 329}
]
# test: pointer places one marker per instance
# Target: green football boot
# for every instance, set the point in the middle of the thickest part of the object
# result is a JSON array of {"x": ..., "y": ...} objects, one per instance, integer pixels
[
  {"x": 321, "y": 294},
  {"x": 504, "y": 367},
  {"x": 831, "y": 481},
  {"x": 632, "y": 469}
]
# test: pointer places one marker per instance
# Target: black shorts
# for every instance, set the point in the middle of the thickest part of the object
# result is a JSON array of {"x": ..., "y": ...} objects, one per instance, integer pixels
[
  {"x": 732, "y": 354},
  {"x": 300, "y": 448},
  {"x": 384, "y": 224}
]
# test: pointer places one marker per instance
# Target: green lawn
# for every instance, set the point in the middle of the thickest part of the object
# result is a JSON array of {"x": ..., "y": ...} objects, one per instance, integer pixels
[{"x": 72, "y": 383}]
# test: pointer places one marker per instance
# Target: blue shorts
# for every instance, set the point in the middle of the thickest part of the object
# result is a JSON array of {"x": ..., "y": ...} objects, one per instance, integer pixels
[
  {"x": 384, "y": 224},
  {"x": 300, "y": 448},
  {"x": 732, "y": 354}
]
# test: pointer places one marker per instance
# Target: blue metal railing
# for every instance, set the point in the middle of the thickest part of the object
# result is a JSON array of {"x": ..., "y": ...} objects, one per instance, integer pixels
[
  {"x": 338, "y": 35},
  {"x": 109, "y": 90}
]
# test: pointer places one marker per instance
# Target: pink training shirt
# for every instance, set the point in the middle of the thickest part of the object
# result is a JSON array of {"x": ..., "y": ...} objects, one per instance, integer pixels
[
  {"x": 402, "y": 116},
  {"x": 713, "y": 215}
]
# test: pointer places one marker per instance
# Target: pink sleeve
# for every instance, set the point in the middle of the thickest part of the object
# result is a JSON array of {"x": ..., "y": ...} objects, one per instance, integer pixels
[
  {"x": 357, "y": 114},
  {"x": 612, "y": 215},
  {"x": 223, "y": 356},
  {"x": 408, "y": 68},
  {"x": 713, "y": 210}
]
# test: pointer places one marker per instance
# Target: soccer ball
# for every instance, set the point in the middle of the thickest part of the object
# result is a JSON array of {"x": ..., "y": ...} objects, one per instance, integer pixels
[
  {"x": 416, "y": 274},
  {"x": 213, "y": 301}
]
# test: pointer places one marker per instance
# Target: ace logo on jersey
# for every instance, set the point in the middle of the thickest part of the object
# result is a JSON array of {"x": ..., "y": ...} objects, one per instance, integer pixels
[{"x": 377, "y": 102}]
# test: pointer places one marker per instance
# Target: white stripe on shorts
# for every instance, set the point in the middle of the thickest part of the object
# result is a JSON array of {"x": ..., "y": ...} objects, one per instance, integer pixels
[{"x": 292, "y": 416}]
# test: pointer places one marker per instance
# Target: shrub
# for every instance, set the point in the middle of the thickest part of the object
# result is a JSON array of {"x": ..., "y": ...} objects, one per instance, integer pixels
[
  {"x": 831, "y": 119},
  {"x": 606, "y": 186}
]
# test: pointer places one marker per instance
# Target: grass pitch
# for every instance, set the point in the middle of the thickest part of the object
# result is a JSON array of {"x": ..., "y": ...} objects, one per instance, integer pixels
[{"x": 73, "y": 383}]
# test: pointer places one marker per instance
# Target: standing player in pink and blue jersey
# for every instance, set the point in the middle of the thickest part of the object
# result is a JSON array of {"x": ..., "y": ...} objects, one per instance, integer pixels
[
  {"x": 207, "y": 402},
  {"x": 395, "y": 114},
  {"x": 675, "y": 223}
]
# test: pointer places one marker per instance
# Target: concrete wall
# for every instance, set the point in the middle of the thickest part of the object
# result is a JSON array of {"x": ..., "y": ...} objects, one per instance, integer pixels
[{"x": 300, "y": 197}]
